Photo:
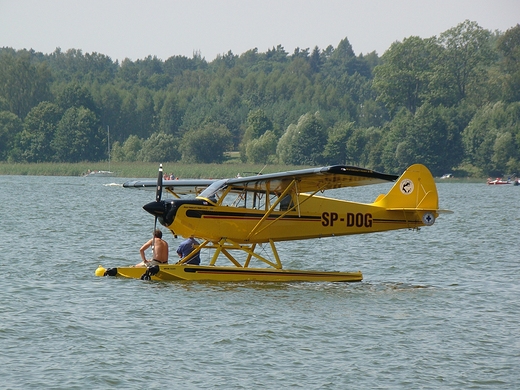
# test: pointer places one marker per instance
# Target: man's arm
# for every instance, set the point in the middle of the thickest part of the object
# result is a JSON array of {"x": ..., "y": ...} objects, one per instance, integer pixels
[{"x": 145, "y": 247}]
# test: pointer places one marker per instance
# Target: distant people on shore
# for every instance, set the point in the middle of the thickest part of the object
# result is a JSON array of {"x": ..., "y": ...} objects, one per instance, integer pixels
[{"x": 171, "y": 176}]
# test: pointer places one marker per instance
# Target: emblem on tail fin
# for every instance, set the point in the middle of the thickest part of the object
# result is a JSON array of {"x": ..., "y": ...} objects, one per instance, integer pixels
[{"x": 406, "y": 186}]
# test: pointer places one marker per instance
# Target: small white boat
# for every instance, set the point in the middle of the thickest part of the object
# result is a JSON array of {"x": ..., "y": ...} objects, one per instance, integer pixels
[{"x": 99, "y": 174}]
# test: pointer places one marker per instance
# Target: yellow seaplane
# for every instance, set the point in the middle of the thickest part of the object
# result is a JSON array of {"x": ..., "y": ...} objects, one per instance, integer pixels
[{"x": 234, "y": 218}]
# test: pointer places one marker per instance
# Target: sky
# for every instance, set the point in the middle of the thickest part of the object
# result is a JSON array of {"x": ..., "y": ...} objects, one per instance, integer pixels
[{"x": 135, "y": 29}]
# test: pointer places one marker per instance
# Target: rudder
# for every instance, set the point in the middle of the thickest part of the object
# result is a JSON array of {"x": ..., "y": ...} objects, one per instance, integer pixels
[{"x": 414, "y": 189}]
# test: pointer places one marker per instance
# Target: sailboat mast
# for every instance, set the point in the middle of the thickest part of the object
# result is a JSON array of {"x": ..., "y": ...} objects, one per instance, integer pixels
[{"x": 108, "y": 145}]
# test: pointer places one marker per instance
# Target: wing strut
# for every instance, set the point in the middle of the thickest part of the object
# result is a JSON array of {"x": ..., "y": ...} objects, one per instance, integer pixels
[
  {"x": 271, "y": 208},
  {"x": 298, "y": 200},
  {"x": 257, "y": 229},
  {"x": 225, "y": 245}
]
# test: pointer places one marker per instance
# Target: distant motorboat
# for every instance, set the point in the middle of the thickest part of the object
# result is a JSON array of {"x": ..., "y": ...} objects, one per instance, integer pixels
[{"x": 498, "y": 181}]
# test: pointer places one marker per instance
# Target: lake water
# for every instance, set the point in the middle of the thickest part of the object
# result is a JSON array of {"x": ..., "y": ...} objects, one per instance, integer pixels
[{"x": 438, "y": 308}]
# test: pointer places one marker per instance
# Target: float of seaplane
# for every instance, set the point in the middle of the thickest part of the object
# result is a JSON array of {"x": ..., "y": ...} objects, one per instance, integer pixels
[{"x": 233, "y": 218}]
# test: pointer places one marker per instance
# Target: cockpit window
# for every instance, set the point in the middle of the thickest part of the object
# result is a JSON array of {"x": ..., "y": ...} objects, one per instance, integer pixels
[
  {"x": 246, "y": 198},
  {"x": 211, "y": 192}
]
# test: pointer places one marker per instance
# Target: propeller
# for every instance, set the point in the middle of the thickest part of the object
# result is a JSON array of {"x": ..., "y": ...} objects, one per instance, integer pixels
[
  {"x": 158, "y": 208},
  {"x": 155, "y": 209},
  {"x": 158, "y": 192},
  {"x": 158, "y": 196}
]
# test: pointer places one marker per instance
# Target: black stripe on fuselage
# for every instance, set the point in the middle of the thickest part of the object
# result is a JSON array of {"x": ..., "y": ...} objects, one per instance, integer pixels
[
  {"x": 244, "y": 215},
  {"x": 396, "y": 221}
]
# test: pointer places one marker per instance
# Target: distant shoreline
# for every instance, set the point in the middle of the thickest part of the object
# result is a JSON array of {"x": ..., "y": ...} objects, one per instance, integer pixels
[
  {"x": 142, "y": 169},
  {"x": 180, "y": 170}
]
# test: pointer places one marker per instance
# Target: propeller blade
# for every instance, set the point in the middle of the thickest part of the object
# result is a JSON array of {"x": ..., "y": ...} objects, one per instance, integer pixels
[
  {"x": 153, "y": 237},
  {"x": 158, "y": 196},
  {"x": 158, "y": 193}
]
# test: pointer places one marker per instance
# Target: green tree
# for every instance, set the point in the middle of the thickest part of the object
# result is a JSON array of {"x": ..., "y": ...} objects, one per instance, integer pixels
[
  {"x": 74, "y": 95},
  {"x": 479, "y": 138},
  {"x": 89, "y": 67},
  {"x": 23, "y": 84},
  {"x": 429, "y": 137},
  {"x": 436, "y": 140},
  {"x": 170, "y": 116},
  {"x": 505, "y": 153},
  {"x": 492, "y": 138},
  {"x": 315, "y": 60},
  {"x": 116, "y": 151},
  {"x": 78, "y": 137},
  {"x": 340, "y": 60},
  {"x": 176, "y": 65},
  {"x": 335, "y": 151},
  {"x": 128, "y": 151},
  {"x": 262, "y": 150},
  {"x": 144, "y": 114},
  {"x": 364, "y": 148},
  {"x": 355, "y": 148},
  {"x": 206, "y": 144},
  {"x": 395, "y": 142},
  {"x": 371, "y": 114},
  {"x": 258, "y": 123},
  {"x": 159, "y": 147},
  {"x": 127, "y": 118},
  {"x": 509, "y": 46},
  {"x": 303, "y": 143},
  {"x": 10, "y": 128},
  {"x": 40, "y": 126},
  {"x": 467, "y": 52},
  {"x": 109, "y": 99},
  {"x": 4, "y": 104},
  {"x": 277, "y": 54},
  {"x": 403, "y": 79}
]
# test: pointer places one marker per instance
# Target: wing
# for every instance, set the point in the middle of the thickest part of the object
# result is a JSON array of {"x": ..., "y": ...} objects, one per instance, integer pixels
[
  {"x": 175, "y": 187},
  {"x": 307, "y": 180}
]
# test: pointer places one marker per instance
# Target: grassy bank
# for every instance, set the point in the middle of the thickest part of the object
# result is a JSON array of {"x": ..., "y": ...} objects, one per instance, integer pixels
[{"x": 142, "y": 170}]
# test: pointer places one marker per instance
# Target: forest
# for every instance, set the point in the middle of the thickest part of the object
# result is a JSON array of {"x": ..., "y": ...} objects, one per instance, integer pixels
[{"x": 451, "y": 102}]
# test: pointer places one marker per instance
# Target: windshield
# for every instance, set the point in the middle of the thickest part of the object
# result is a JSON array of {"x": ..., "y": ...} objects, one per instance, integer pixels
[{"x": 210, "y": 192}]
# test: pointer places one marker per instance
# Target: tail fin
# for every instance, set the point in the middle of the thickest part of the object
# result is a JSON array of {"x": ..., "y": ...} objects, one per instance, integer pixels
[{"x": 415, "y": 189}]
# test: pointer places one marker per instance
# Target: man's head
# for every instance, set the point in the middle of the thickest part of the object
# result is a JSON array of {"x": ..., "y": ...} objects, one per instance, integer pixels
[{"x": 157, "y": 233}]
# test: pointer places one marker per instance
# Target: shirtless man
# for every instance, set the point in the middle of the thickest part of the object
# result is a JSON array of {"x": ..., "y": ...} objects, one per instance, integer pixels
[{"x": 160, "y": 251}]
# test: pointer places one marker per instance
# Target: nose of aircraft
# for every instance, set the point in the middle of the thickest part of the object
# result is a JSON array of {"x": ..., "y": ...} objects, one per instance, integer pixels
[{"x": 156, "y": 208}]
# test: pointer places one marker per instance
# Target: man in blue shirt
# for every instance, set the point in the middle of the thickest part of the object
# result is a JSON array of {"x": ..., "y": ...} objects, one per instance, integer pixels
[{"x": 186, "y": 247}]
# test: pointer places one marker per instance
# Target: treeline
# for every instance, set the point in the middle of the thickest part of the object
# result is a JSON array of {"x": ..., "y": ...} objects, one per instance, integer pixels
[{"x": 451, "y": 102}]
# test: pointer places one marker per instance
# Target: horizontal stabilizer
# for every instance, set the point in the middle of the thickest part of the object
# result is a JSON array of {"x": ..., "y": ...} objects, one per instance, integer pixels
[{"x": 439, "y": 211}]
